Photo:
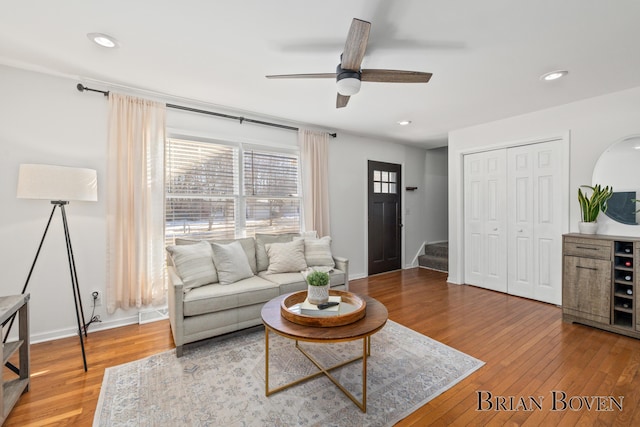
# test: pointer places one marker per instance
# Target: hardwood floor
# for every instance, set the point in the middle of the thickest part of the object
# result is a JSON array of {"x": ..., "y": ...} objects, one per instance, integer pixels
[{"x": 530, "y": 354}]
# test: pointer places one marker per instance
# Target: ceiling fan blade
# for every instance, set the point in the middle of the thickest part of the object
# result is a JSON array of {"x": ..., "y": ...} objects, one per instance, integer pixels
[
  {"x": 342, "y": 101},
  {"x": 394, "y": 76},
  {"x": 303, "y": 76},
  {"x": 356, "y": 44}
]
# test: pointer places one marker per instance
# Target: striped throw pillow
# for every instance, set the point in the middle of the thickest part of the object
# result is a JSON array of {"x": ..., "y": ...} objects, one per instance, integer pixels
[{"x": 194, "y": 264}]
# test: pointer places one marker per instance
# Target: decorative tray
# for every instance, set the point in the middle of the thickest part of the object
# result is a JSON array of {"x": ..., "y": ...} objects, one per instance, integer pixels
[{"x": 351, "y": 309}]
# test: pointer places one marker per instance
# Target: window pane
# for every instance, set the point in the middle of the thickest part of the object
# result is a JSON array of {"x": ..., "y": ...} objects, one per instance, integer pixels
[
  {"x": 272, "y": 215},
  {"x": 376, "y": 175},
  {"x": 385, "y": 176},
  {"x": 385, "y": 187},
  {"x": 392, "y": 188},
  {"x": 200, "y": 168},
  {"x": 270, "y": 174},
  {"x": 376, "y": 187},
  {"x": 392, "y": 177},
  {"x": 199, "y": 218}
]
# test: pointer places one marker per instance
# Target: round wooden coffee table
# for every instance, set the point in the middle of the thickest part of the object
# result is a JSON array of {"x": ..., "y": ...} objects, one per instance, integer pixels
[{"x": 375, "y": 318}]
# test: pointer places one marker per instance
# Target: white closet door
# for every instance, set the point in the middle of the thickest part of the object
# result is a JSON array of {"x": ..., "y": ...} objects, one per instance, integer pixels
[
  {"x": 485, "y": 219},
  {"x": 535, "y": 221}
]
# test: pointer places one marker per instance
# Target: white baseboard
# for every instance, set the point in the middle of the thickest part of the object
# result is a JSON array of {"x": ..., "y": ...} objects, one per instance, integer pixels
[
  {"x": 71, "y": 332},
  {"x": 414, "y": 262},
  {"x": 153, "y": 315},
  {"x": 357, "y": 276}
]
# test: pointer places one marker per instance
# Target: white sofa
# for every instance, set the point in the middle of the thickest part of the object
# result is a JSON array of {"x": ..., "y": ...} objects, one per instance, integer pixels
[{"x": 207, "y": 299}]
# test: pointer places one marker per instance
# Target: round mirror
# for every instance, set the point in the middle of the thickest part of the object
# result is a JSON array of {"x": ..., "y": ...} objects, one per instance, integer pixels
[{"x": 619, "y": 168}]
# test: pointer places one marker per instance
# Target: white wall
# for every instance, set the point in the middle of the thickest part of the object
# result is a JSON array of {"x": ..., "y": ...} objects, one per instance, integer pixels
[
  {"x": 349, "y": 156},
  {"x": 44, "y": 119},
  {"x": 436, "y": 175},
  {"x": 593, "y": 124}
]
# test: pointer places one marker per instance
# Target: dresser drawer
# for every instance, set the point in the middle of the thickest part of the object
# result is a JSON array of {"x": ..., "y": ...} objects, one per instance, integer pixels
[{"x": 588, "y": 248}]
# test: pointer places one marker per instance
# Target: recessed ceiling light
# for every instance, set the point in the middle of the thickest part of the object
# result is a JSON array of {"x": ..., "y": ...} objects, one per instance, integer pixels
[
  {"x": 103, "y": 40},
  {"x": 404, "y": 122},
  {"x": 554, "y": 75}
]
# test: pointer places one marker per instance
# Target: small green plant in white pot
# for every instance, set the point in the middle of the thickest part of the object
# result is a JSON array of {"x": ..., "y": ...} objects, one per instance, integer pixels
[
  {"x": 591, "y": 206},
  {"x": 318, "y": 287}
]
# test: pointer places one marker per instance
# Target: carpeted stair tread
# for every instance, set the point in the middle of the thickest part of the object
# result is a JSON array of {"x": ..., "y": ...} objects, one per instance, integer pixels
[{"x": 436, "y": 256}]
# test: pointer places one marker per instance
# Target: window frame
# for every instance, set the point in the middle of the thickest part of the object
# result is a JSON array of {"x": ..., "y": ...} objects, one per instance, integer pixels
[{"x": 241, "y": 197}]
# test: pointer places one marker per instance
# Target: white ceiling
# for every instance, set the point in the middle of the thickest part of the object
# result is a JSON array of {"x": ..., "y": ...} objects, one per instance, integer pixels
[{"x": 486, "y": 56}]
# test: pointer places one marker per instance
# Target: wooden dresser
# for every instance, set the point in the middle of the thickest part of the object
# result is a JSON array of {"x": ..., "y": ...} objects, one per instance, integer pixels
[{"x": 600, "y": 280}]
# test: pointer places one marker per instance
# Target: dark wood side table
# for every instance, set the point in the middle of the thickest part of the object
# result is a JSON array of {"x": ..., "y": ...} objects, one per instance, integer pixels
[
  {"x": 374, "y": 320},
  {"x": 13, "y": 389}
]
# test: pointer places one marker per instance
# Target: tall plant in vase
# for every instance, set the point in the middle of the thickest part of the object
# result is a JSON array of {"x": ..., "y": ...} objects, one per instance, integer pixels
[{"x": 591, "y": 206}]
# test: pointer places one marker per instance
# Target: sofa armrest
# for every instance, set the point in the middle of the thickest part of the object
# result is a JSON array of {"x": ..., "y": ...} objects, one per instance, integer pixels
[
  {"x": 176, "y": 306},
  {"x": 343, "y": 264}
]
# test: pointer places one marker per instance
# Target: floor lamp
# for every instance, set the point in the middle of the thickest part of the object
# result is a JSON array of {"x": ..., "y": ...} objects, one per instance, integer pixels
[{"x": 60, "y": 185}]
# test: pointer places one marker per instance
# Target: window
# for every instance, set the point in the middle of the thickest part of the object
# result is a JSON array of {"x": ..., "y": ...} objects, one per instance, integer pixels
[
  {"x": 271, "y": 192},
  {"x": 203, "y": 191},
  {"x": 384, "y": 182}
]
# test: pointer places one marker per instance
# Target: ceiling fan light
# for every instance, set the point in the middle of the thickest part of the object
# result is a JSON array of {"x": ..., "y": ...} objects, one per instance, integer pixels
[{"x": 348, "y": 86}]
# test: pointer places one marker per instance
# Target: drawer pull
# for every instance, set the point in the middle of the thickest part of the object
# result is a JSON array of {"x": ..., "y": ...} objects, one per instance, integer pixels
[
  {"x": 587, "y": 268},
  {"x": 587, "y": 247}
]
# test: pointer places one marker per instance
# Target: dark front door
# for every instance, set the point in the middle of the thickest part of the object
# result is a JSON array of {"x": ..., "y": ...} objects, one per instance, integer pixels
[{"x": 385, "y": 238}]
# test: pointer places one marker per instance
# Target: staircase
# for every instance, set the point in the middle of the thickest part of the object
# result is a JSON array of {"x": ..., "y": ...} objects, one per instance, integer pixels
[{"x": 436, "y": 256}]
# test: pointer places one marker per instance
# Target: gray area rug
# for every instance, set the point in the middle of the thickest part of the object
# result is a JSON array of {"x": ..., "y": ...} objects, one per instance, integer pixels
[{"x": 221, "y": 382}]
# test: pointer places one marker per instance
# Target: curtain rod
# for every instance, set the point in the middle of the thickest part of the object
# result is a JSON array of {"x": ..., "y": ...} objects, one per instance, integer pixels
[{"x": 83, "y": 88}]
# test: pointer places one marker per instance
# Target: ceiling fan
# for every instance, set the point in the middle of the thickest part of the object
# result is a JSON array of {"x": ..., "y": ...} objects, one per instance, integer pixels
[{"x": 349, "y": 75}]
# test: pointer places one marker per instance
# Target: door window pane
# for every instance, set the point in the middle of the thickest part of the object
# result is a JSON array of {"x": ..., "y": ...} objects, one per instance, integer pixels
[{"x": 384, "y": 182}]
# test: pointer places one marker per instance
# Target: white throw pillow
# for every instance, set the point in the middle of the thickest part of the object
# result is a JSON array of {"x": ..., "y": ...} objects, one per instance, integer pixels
[
  {"x": 248, "y": 245},
  {"x": 194, "y": 264},
  {"x": 286, "y": 257},
  {"x": 262, "y": 259},
  {"x": 231, "y": 262},
  {"x": 317, "y": 252}
]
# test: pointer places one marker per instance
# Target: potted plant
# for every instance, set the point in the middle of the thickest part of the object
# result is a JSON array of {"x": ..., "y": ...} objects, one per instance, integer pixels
[
  {"x": 590, "y": 207},
  {"x": 318, "y": 287}
]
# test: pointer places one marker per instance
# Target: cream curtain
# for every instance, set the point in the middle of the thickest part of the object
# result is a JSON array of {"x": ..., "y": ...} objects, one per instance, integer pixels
[
  {"x": 135, "y": 203},
  {"x": 314, "y": 156}
]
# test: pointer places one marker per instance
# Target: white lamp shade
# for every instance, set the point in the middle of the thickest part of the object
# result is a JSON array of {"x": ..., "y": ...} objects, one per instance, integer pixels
[{"x": 57, "y": 183}]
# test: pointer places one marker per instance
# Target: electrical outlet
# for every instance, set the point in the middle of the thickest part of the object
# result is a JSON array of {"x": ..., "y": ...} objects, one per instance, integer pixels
[{"x": 97, "y": 298}]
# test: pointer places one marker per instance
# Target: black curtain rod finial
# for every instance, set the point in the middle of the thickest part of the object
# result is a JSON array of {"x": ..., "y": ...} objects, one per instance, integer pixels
[{"x": 82, "y": 88}]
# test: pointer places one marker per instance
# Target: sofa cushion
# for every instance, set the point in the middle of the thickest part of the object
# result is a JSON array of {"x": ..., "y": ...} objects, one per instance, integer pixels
[
  {"x": 217, "y": 297},
  {"x": 248, "y": 246},
  {"x": 317, "y": 252},
  {"x": 286, "y": 257},
  {"x": 292, "y": 282},
  {"x": 194, "y": 264},
  {"x": 262, "y": 259},
  {"x": 231, "y": 262}
]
